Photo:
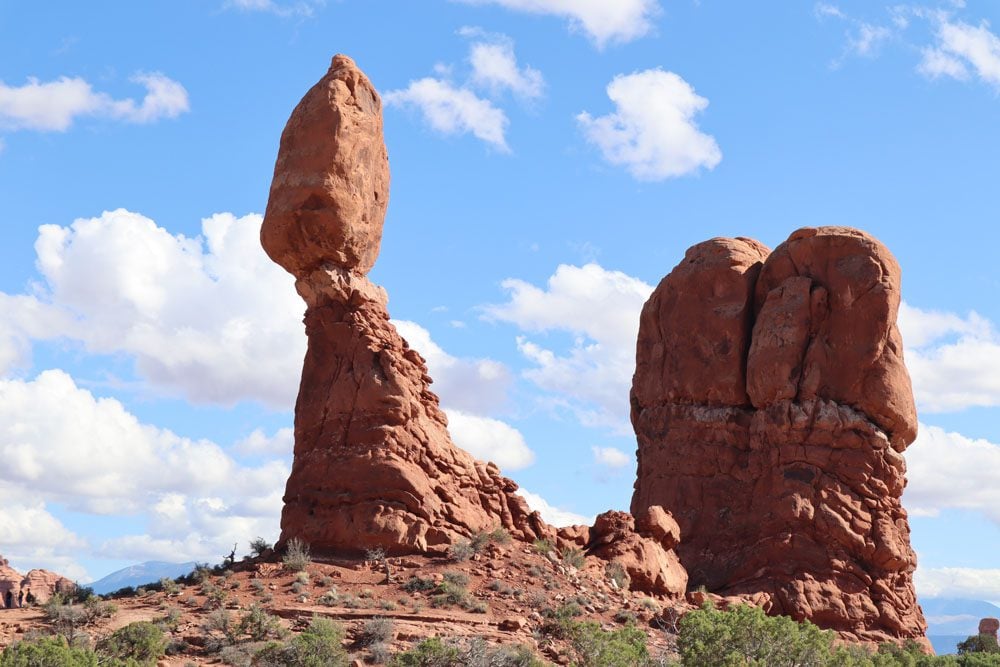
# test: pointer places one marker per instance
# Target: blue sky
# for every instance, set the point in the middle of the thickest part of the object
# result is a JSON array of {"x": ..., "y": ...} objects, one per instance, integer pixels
[{"x": 551, "y": 161}]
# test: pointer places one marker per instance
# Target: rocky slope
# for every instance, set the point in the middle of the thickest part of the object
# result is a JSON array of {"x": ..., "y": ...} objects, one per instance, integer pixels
[{"x": 772, "y": 407}]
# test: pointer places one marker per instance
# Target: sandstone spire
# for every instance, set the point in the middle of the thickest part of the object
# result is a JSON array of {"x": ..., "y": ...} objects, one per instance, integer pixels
[{"x": 374, "y": 465}]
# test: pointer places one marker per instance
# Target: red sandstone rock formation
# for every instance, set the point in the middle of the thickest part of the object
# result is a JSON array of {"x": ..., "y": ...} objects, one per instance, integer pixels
[
  {"x": 772, "y": 406},
  {"x": 374, "y": 465},
  {"x": 989, "y": 627},
  {"x": 42, "y": 583}
]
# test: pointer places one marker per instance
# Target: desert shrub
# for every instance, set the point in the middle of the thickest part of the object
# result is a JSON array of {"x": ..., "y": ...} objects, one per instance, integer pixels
[
  {"x": 461, "y": 551},
  {"x": 625, "y": 616},
  {"x": 649, "y": 604},
  {"x": 415, "y": 584},
  {"x": 572, "y": 557},
  {"x": 169, "y": 586},
  {"x": 379, "y": 653},
  {"x": 257, "y": 585},
  {"x": 258, "y": 546},
  {"x": 259, "y": 625},
  {"x": 142, "y": 642},
  {"x": 378, "y": 630},
  {"x": 501, "y": 587},
  {"x": 317, "y": 646},
  {"x": 745, "y": 635},
  {"x": 979, "y": 644},
  {"x": 221, "y": 621},
  {"x": 435, "y": 652},
  {"x": 297, "y": 587},
  {"x": 46, "y": 652},
  {"x": 559, "y": 622},
  {"x": 302, "y": 578},
  {"x": 496, "y": 536},
  {"x": 595, "y": 647},
  {"x": 297, "y": 557},
  {"x": 543, "y": 546}
]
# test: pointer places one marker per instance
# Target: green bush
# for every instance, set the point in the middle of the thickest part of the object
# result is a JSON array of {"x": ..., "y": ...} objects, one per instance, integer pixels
[
  {"x": 594, "y": 647},
  {"x": 745, "y": 635},
  {"x": 319, "y": 645},
  {"x": 142, "y": 642},
  {"x": 435, "y": 652},
  {"x": 46, "y": 652},
  {"x": 979, "y": 644}
]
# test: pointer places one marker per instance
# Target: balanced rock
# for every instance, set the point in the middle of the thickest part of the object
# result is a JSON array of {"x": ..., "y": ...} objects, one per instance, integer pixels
[
  {"x": 772, "y": 407},
  {"x": 374, "y": 466},
  {"x": 331, "y": 181}
]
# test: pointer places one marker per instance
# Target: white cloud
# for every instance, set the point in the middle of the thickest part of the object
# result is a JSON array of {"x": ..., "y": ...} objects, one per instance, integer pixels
[
  {"x": 603, "y": 21},
  {"x": 33, "y": 538},
  {"x": 54, "y": 105},
  {"x": 611, "y": 457},
  {"x": 554, "y": 516},
  {"x": 961, "y": 47},
  {"x": 652, "y": 131},
  {"x": 593, "y": 376},
  {"x": 950, "y": 471},
  {"x": 957, "y": 582},
  {"x": 258, "y": 443},
  {"x": 863, "y": 38},
  {"x": 470, "y": 389},
  {"x": 452, "y": 110},
  {"x": 490, "y": 440},
  {"x": 209, "y": 318},
  {"x": 470, "y": 385},
  {"x": 61, "y": 443},
  {"x": 826, "y": 9},
  {"x": 494, "y": 66},
  {"x": 954, "y": 361},
  {"x": 304, "y": 8}
]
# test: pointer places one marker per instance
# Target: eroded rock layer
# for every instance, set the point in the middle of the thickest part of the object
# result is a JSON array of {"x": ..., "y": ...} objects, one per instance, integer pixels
[
  {"x": 374, "y": 465},
  {"x": 772, "y": 407}
]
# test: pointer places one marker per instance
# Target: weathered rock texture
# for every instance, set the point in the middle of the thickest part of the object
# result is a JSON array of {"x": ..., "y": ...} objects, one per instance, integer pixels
[
  {"x": 772, "y": 407},
  {"x": 41, "y": 583},
  {"x": 989, "y": 627},
  {"x": 374, "y": 465}
]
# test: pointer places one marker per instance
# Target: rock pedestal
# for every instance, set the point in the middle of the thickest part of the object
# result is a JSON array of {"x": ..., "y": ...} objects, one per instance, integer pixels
[
  {"x": 374, "y": 466},
  {"x": 772, "y": 407}
]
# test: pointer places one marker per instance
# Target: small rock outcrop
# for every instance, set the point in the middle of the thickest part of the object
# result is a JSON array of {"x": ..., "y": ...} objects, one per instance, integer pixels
[
  {"x": 374, "y": 466},
  {"x": 41, "y": 583},
  {"x": 989, "y": 627},
  {"x": 772, "y": 407}
]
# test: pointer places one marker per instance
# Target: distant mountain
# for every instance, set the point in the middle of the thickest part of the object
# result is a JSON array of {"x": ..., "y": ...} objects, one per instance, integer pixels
[
  {"x": 138, "y": 575},
  {"x": 951, "y": 620}
]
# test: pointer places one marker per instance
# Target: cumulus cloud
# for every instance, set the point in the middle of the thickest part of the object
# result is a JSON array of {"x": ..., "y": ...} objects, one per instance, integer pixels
[
  {"x": 209, "y": 318},
  {"x": 591, "y": 377},
  {"x": 34, "y": 538},
  {"x": 962, "y": 49},
  {"x": 53, "y": 106},
  {"x": 61, "y": 443},
  {"x": 471, "y": 389},
  {"x": 457, "y": 109},
  {"x": 602, "y": 21},
  {"x": 611, "y": 457},
  {"x": 954, "y": 361},
  {"x": 259, "y": 443},
  {"x": 490, "y": 440},
  {"x": 555, "y": 516},
  {"x": 947, "y": 470},
  {"x": 957, "y": 582},
  {"x": 453, "y": 110},
  {"x": 652, "y": 132},
  {"x": 470, "y": 385},
  {"x": 494, "y": 66}
]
